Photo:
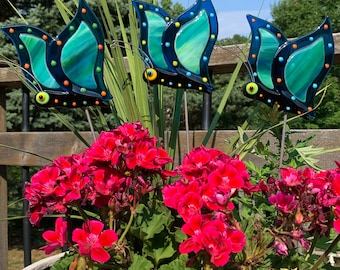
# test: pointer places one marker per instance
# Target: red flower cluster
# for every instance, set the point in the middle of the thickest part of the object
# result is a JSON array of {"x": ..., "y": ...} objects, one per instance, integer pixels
[
  {"x": 305, "y": 200},
  {"x": 209, "y": 178},
  {"x": 114, "y": 174}
]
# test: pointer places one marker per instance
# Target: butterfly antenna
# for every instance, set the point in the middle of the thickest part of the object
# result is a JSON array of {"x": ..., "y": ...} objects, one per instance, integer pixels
[
  {"x": 245, "y": 62},
  {"x": 14, "y": 66},
  {"x": 122, "y": 44}
]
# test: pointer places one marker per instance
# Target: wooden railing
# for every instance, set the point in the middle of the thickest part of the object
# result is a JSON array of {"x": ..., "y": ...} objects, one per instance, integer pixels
[{"x": 53, "y": 144}]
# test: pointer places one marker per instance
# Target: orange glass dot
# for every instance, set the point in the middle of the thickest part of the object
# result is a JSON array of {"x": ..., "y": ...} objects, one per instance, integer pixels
[
  {"x": 83, "y": 10},
  {"x": 59, "y": 42},
  {"x": 100, "y": 47},
  {"x": 325, "y": 26},
  {"x": 56, "y": 101},
  {"x": 298, "y": 112},
  {"x": 279, "y": 80},
  {"x": 261, "y": 95},
  {"x": 310, "y": 109},
  {"x": 44, "y": 37},
  {"x": 74, "y": 103},
  {"x": 103, "y": 93},
  {"x": 253, "y": 55},
  {"x": 66, "y": 83},
  {"x": 97, "y": 102},
  {"x": 278, "y": 35},
  {"x": 11, "y": 30},
  {"x": 327, "y": 65},
  {"x": 278, "y": 106},
  {"x": 294, "y": 46},
  {"x": 253, "y": 20},
  {"x": 26, "y": 66}
]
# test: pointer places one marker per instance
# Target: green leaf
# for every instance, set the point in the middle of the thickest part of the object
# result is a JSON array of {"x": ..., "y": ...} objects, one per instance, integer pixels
[
  {"x": 64, "y": 262},
  {"x": 159, "y": 248},
  {"x": 180, "y": 236},
  {"x": 140, "y": 263},
  {"x": 148, "y": 223},
  {"x": 177, "y": 264}
]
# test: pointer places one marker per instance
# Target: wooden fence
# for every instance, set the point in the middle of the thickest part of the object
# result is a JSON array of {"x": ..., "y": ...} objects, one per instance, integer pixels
[{"x": 53, "y": 144}]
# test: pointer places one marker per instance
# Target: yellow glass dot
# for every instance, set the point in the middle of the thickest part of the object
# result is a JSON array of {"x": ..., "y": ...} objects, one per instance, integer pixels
[
  {"x": 179, "y": 85},
  {"x": 151, "y": 74},
  {"x": 213, "y": 36},
  {"x": 143, "y": 42},
  {"x": 205, "y": 79},
  {"x": 167, "y": 18},
  {"x": 140, "y": 6},
  {"x": 175, "y": 63},
  {"x": 42, "y": 98},
  {"x": 162, "y": 80},
  {"x": 177, "y": 24},
  {"x": 252, "y": 88},
  {"x": 200, "y": 88}
]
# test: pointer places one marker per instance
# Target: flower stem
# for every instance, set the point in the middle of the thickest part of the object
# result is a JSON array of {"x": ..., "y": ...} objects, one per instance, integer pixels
[
  {"x": 323, "y": 256},
  {"x": 311, "y": 249},
  {"x": 127, "y": 226},
  {"x": 82, "y": 212}
]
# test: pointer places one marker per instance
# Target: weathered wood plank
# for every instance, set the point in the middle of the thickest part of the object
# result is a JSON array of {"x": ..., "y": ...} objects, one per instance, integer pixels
[
  {"x": 222, "y": 60},
  {"x": 46, "y": 144},
  {"x": 53, "y": 144},
  {"x": 9, "y": 79}
]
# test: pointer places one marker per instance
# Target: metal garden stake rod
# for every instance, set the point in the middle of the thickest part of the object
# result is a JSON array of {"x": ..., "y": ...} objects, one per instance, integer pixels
[{"x": 25, "y": 178}]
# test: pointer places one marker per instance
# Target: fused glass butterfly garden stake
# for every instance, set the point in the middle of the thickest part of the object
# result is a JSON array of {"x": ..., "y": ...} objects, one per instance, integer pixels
[
  {"x": 65, "y": 70},
  {"x": 178, "y": 49},
  {"x": 288, "y": 73}
]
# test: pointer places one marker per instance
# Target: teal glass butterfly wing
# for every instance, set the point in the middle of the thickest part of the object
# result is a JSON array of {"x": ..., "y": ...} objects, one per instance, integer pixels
[
  {"x": 66, "y": 70},
  {"x": 178, "y": 49},
  {"x": 288, "y": 73}
]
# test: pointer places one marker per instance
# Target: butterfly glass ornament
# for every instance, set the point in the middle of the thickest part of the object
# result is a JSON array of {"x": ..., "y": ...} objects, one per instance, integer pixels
[
  {"x": 288, "y": 72},
  {"x": 178, "y": 49},
  {"x": 66, "y": 70}
]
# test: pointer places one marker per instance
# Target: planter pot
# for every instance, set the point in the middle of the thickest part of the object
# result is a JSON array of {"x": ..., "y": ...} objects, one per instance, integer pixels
[{"x": 44, "y": 263}]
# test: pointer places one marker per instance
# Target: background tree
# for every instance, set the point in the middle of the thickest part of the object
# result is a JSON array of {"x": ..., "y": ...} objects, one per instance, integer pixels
[{"x": 296, "y": 18}]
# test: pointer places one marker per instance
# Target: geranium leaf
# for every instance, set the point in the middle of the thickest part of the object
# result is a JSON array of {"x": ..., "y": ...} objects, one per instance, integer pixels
[
  {"x": 140, "y": 263},
  {"x": 180, "y": 236},
  {"x": 64, "y": 262},
  {"x": 148, "y": 223},
  {"x": 178, "y": 264},
  {"x": 159, "y": 248}
]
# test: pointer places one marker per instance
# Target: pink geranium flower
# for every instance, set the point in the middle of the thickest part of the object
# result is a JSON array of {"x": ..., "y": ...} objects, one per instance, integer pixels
[
  {"x": 91, "y": 240},
  {"x": 284, "y": 202},
  {"x": 290, "y": 176},
  {"x": 226, "y": 178},
  {"x": 55, "y": 238},
  {"x": 143, "y": 156},
  {"x": 190, "y": 205},
  {"x": 193, "y": 229}
]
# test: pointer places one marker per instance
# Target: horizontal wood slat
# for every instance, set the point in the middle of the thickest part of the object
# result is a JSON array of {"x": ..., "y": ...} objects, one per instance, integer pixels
[{"x": 53, "y": 144}]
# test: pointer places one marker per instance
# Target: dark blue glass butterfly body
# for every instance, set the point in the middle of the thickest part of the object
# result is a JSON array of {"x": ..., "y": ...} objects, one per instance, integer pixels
[
  {"x": 288, "y": 72},
  {"x": 66, "y": 70},
  {"x": 178, "y": 49}
]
